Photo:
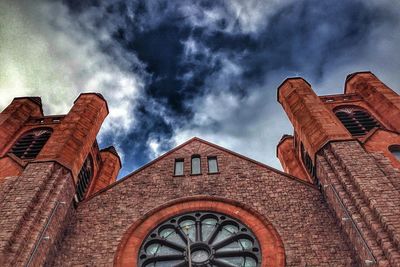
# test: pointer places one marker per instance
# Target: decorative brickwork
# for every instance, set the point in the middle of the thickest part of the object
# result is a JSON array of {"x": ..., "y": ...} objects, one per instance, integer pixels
[
  {"x": 294, "y": 208},
  {"x": 272, "y": 250},
  {"x": 337, "y": 205},
  {"x": 291, "y": 163}
]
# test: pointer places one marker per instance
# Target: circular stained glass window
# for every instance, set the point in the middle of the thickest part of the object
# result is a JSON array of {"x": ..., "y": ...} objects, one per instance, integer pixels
[{"x": 206, "y": 239}]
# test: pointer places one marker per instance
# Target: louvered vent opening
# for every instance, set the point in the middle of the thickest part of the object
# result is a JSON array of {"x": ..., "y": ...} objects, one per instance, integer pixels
[
  {"x": 358, "y": 122},
  {"x": 84, "y": 178},
  {"x": 307, "y": 161},
  {"x": 31, "y": 143}
]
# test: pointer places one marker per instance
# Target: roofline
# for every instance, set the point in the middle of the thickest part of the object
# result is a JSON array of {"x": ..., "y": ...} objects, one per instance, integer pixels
[
  {"x": 95, "y": 94},
  {"x": 207, "y": 143}
]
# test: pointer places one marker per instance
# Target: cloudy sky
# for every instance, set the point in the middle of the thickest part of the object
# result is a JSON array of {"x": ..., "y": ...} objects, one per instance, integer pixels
[{"x": 171, "y": 70}]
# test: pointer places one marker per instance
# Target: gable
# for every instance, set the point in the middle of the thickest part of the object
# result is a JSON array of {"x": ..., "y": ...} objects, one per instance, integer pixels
[{"x": 227, "y": 161}]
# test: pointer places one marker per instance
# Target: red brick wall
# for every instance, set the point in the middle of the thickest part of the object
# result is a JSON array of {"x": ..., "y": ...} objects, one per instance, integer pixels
[
  {"x": 289, "y": 160},
  {"x": 110, "y": 165},
  {"x": 295, "y": 209},
  {"x": 380, "y": 97},
  {"x": 72, "y": 140},
  {"x": 33, "y": 211},
  {"x": 366, "y": 203},
  {"x": 14, "y": 116},
  {"x": 313, "y": 122}
]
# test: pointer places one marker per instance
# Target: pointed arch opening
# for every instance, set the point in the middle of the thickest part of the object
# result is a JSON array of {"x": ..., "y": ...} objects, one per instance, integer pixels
[
  {"x": 29, "y": 145},
  {"x": 356, "y": 120},
  {"x": 84, "y": 179}
]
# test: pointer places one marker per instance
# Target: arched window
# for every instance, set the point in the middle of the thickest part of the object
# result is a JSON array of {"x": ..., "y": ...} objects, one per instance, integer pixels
[
  {"x": 395, "y": 150},
  {"x": 356, "y": 120},
  {"x": 196, "y": 164},
  {"x": 84, "y": 178},
  {"x": 307, "y": 161},
  {"x": 204, "y": 239},
  {"x": 31, "y": 143}
]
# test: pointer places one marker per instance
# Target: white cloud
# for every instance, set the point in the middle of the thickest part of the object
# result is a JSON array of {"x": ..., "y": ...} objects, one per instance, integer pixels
[{"x": 45, "y": 53}]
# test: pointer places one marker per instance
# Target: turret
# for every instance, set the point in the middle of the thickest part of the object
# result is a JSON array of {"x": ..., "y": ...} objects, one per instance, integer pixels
[
  {"x": 48, "y": 165},
  {"x": 350, "y": 145},
  {"x": 313, "y": 123}
]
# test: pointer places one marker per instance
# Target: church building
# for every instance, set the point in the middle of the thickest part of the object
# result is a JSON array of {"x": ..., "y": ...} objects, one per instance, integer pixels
[{"x": 337, "y": 202}]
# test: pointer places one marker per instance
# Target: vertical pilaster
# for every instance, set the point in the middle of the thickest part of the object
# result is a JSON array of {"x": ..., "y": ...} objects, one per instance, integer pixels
[{"x": 363, "y": 199}]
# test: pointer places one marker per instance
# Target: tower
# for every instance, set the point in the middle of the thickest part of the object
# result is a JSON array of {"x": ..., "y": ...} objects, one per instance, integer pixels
[
  {"x": 336, "y": 204},
  {"x": 348, "y": 145},
  {"x": 48, "y": 164}
]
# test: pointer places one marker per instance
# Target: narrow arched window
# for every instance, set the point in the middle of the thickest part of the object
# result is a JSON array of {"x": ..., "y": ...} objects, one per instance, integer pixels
[
  {"x": 29, "y": 145},
  {"x": 395, "y": 150},
  {"x": 178, "y": 169},
  {"x": 356, "y": 120},
  {"x": 212, "y": 165},
  {"x": 84, "y": 179},
  {"x": 196, "y": 164},
  {"x": 307, "y": 161}
]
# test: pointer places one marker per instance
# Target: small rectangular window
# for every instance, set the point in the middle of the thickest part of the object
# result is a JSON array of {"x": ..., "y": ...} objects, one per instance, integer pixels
[
  {"x": 178, "y": 167},
  {"x": 212, "y": 165},
  {"x": 196, "y": 165}
]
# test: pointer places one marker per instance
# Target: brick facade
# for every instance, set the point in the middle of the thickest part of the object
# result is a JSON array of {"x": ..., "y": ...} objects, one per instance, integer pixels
[
  {"x": 336, "y": 204},
  {"x": 294, "y": 208}
]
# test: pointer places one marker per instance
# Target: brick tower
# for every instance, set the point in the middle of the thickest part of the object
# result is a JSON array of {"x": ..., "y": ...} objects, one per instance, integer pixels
[
  {"x": 349, "y": 145},
  {"x": 48, "y": 164},
  {"x": 336, "y": 204}
]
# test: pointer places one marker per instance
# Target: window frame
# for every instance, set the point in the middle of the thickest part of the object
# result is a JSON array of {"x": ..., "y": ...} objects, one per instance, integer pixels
[
  {"x": 191, "y": 164},
  {"x": 183, "y": 166},
  {"x": 216, "y": 163},
  {"x": 30, "y": 148}
]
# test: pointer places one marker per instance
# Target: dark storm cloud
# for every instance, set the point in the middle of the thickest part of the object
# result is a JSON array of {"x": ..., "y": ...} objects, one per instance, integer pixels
[{"x": 211, "y": 68}]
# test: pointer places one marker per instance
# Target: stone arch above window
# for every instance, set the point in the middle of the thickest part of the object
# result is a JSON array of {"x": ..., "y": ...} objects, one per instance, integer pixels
[
  {"x": 29, "y": 145},
  {"x": 266, "y": 246},
  {"x": 395, "y": 150},
  {"x": 356, "y": 120}
]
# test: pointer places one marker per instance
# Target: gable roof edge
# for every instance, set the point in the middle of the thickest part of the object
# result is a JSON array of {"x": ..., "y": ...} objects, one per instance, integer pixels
[{"x": 291, "y": 177}]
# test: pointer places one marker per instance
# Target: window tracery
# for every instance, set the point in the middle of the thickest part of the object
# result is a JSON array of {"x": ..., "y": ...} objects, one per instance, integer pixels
[{"x": 205, "y": 238}]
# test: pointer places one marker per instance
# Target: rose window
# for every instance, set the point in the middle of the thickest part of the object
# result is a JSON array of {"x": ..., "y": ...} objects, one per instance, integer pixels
[{"x": 204, "y": 238}]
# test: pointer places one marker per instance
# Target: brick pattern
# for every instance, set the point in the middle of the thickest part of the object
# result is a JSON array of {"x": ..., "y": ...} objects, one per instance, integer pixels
[
  {"x": 290, "y": 161},
  {"x": 28, "y": 203},
  {"x": 14, "y": 116},
  {"x": 108, "y": 172},
  {"x": 381, "y": 98},
  {"x": 379, "y": 142},
  {"x": 386, "y": 166},
  {"x": 365, "y": 202},
  {"x": 73, "y": 138},
  {"x": 272, "y": 252},
  {"x": 296, "y": 210},
  {"x": 313, "y": 122}
]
